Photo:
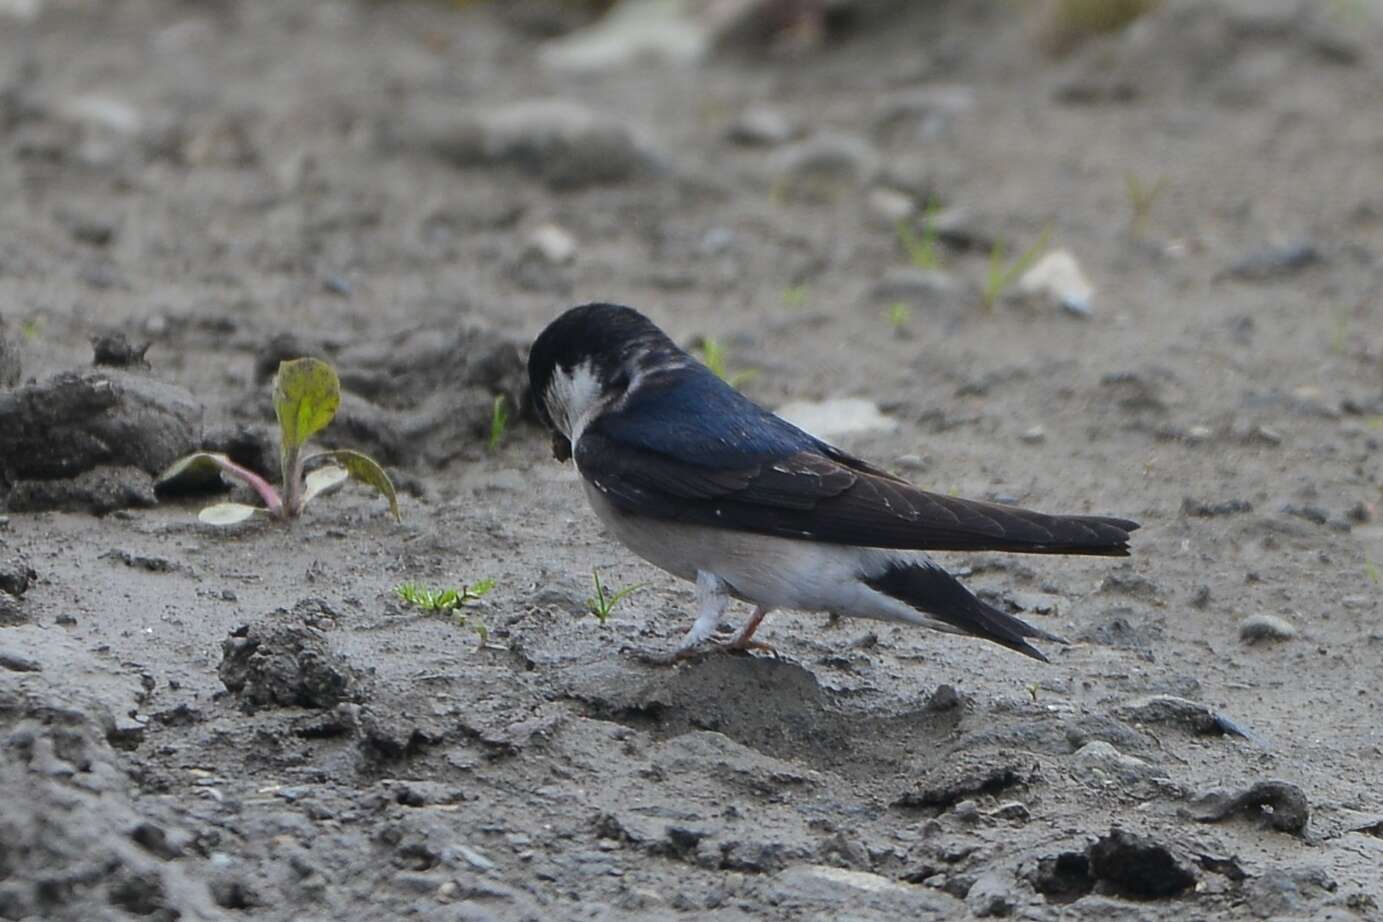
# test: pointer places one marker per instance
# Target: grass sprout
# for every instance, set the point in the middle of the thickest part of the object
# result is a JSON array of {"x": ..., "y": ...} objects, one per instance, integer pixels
[
  {"x": 922, "y": 248},
  {"x": 1002, "y": 274},
  {"x": 795, "y": 296},
  {"x": 1141, "y": 198},
  {"x": 449, "y": 602},
  {"x": 713, "y": 356},
  {"x": 499, "y": 422},
  {"x": 899, "y": 315},
  {"x": 602, "y": 603}
]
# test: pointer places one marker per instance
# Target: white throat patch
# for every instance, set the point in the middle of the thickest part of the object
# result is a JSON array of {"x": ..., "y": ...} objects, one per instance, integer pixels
[{"x": 574, "y": 399}]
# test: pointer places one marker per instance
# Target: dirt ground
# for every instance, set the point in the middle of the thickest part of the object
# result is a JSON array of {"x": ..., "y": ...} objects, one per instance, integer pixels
[{"x": 203, "y": 724}]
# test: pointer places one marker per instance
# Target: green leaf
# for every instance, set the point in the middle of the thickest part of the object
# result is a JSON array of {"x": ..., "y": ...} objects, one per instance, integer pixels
[
  {"x": 307, "y": 393},
  {"x": 203, "y": 468},
  {"x": 198, "y": 470},
  {"x": 223, "y": 514},
  {"x": 323, "y": 480},
  {"x": 365, "y": 469}
]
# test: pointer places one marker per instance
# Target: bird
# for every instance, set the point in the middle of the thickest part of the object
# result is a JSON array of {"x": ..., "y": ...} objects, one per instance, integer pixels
[{"x": 702, "y": 482}]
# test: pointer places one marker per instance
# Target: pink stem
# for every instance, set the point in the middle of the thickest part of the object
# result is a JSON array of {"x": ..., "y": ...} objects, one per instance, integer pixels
[{"x": 257, "y": 483}]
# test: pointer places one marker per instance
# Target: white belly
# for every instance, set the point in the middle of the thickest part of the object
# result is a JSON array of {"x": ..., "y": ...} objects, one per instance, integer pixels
[{"x": 767, "y": 571}]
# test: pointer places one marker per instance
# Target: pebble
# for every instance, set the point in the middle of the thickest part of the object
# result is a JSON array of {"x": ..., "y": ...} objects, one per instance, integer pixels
[
  {"x": 1275, "y": 262},
  {"x": 1265, "y": 627},
  {"x": 1057, "y": 276},
  {"x": 552, "y": 243},
  {"x": 889, "y": 207},
  {"x": 650, "y": 30},
  {"x": 1034, "y": 436},
  {"x": 837, "y": 416},
  {"x": 761, "y": 126},
  {"x": 991, "y": 895},
  {"x": 564, "y": 144},
  {"x": 916, "y": 285},
  {"x": 825, "y": 164},
  {"x": 1099, "y": 761}
]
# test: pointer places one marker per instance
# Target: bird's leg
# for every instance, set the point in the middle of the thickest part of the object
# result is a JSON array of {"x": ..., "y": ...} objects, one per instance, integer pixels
[
  {"x": 744, "y": 639},
  {"x": 713, "y": 597}
]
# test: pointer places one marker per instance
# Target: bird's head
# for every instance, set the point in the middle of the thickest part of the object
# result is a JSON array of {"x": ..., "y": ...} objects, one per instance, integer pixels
[{"x": 589, "y": 361}]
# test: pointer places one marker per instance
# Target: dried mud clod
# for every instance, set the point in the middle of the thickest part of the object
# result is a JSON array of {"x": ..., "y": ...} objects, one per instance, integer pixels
[
  {"x": 92, "y": 441},
  {"x": 1282, "y": 805},
  {"x": 275, "y": 663}
]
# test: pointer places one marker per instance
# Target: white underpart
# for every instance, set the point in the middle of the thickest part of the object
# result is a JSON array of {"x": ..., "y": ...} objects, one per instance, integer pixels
[
  {"x": 574, "y": 398},
  {"x": 767, "y": 571}
]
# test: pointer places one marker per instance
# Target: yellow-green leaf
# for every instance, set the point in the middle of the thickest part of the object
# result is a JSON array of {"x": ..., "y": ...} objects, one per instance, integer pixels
[
  {"x": 227, "y": 513},
  {"x": 199, "y": 469},
  {"x": 365, "y": 469},
  {"x": 307, "y": 393}
]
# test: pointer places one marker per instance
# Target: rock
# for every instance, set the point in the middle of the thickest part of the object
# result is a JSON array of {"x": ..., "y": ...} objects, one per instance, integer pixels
[
  {"x": 991, "y": 896},
  {"x": 1205, "y": 509},
  {"x": 1034, "y": 436},
  {"x": 1101, "y": 763},
  {"x": 1261, "y": 627},
  {"x": 1063, "y": 877},
  {"x": 116, "y": 351},
  {"x": 278, "y": 663},
  {"x": 665, "y": 31},
  {"x": 1138, "y": 868},
  {"x": 837, "y": 889},
  {"x": 1058, "y": 278},
  {"x": 1275, "y": 263},
  {"x": 761, "y": 126},
  {"x": 553, "y": 244},
  {"x": 101, "y": 424},
  {"x": 922, "y": 114},
  {"x": 889, "y": 207},
  {"x": 1190, "y": 715},
  {"x": 825, "y": 165},
  {"x": 565, "y": 145},
  {"x": 918, "y": 286},
  {"x": 16, "y": 576},
  {"x": 835, "y": 417},
  {"x": 964, "y": 777},
  {"x": 1289, "y": 811}
]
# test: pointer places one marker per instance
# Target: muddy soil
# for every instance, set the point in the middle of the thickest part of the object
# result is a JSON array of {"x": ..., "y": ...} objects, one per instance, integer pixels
[{"x": 203, "y": 724}]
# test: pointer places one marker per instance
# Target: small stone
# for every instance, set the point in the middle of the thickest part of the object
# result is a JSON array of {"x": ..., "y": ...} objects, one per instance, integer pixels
[
  {"x": 552, "y": 243},
  {"x": 1014, "y": 811},
  {"x": 1057, "y": 276},
  {"x": 1275, "y": 262},
  {"x": 991, "y": 895},
  {"x": 967, "y": 811},
  {"x": 1099, "y": 761},
  {"x": 1265, "y": 627},
  {"x": 1197, "y": 434},
  {"x": 917, "y": 285},
  {"x": 653, "y": 30},
  {"x": 761, "y": 126},
  {"x": 1034, "y": 436},
  {"x": 822, "y": 166},
  {"x": 839, "y": 416},
  {"x": 889, "y": 207}
]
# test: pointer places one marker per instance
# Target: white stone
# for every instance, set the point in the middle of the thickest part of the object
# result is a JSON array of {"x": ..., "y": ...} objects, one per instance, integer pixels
[
  {"x": 836, "y": 416},
  {"x": 553, "y": 243},
  {"x": 1058, "y": 276}
]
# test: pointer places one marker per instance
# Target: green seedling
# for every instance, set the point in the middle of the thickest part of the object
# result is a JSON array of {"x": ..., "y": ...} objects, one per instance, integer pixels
[
  {"x": 31, "y": 328},
  {"x": 499, "y": 422},
  {"x": 1141, "y": 198},
  {"x": 795, "y": 296},
  {"x": 713, "y": 357},
  {"x": 922, "y": 249},
  {"x": 1001, "y": 275},
  {"x": 899, "y": 314},
  {"x": 1371, "y": 571},
  {"x": 603, "y": 603},
  {"x": 307, "y": 393},
  {"x": 448, "y": 602}
]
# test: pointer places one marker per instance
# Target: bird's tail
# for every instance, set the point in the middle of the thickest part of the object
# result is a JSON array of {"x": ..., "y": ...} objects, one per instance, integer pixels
[{"x": 931, "y": 590}]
